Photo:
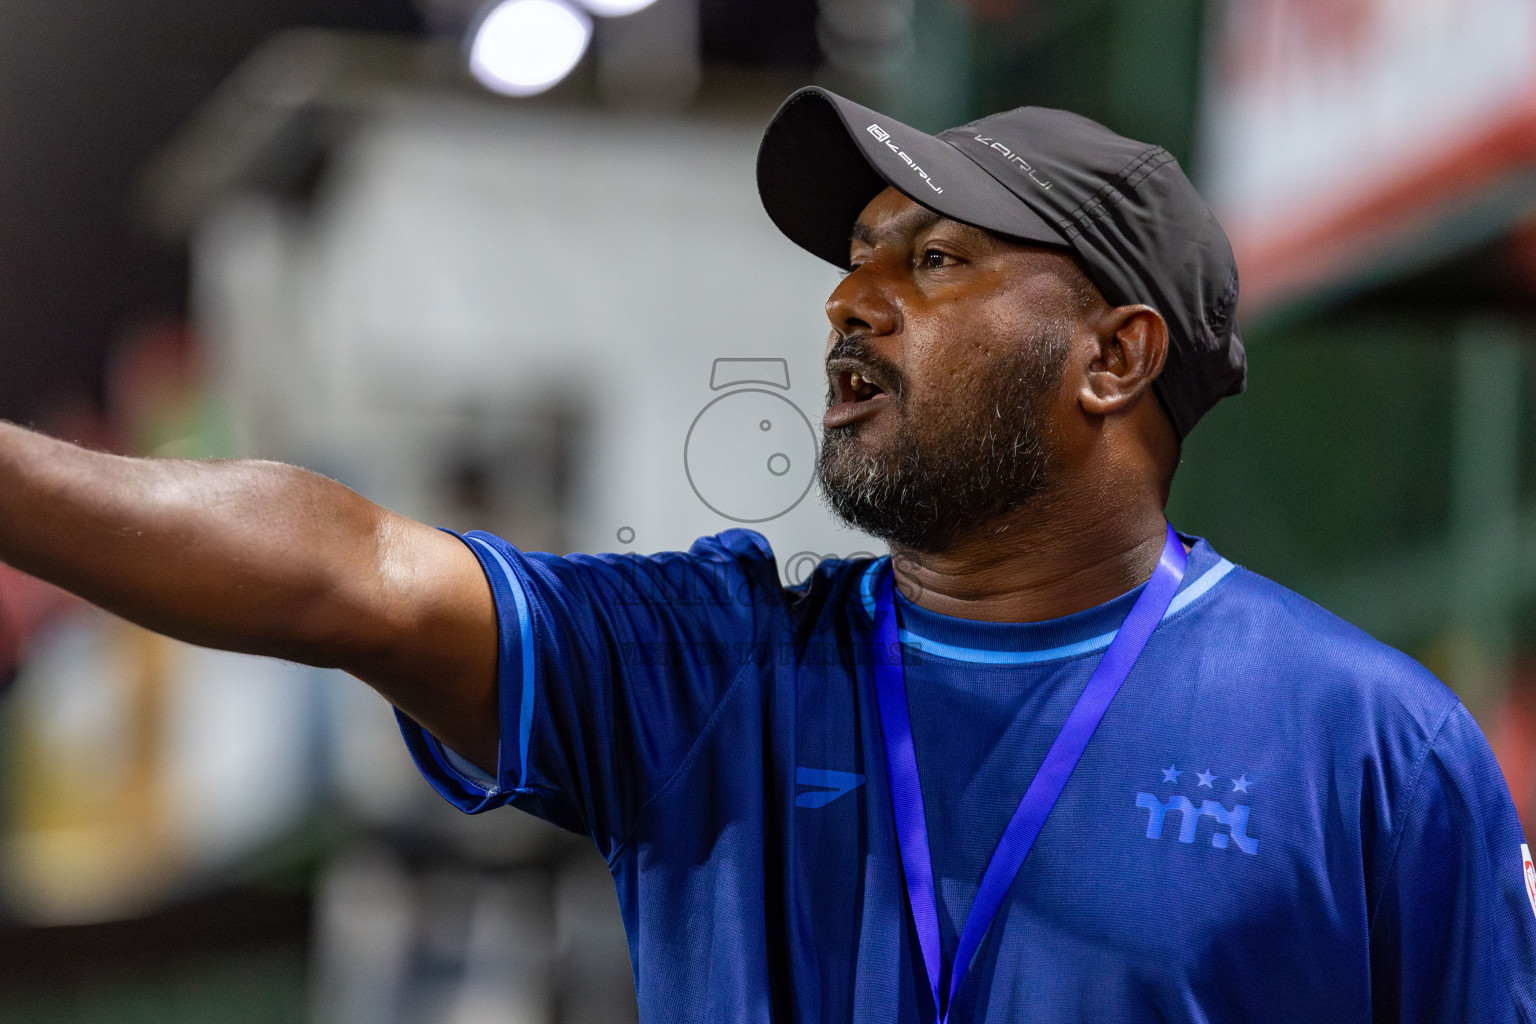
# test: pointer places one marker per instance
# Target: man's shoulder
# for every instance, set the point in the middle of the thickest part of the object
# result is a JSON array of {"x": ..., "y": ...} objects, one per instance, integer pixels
[
  {"x": 736, "y": 567},
  {"x": 1300, "y": 651},
  {"x": 801, "y": 572},
  {"x": 733, "y": 545}
]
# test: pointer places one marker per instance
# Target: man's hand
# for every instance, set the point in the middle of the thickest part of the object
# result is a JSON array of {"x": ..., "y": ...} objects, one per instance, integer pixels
[{"x": 267, "y": 559}]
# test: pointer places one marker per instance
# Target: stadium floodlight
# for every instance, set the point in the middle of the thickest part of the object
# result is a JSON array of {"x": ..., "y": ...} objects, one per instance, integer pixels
[
  {"x": 523, "y": 47},
  {"x": 615, "y": 8}
]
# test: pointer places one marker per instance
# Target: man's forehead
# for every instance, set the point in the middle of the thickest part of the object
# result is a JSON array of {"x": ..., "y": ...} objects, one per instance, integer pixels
[{"x": 892, "y": 220}]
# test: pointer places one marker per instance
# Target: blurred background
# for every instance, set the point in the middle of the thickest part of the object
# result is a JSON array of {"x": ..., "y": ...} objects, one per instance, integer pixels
[{"x": 502, "y": 266}]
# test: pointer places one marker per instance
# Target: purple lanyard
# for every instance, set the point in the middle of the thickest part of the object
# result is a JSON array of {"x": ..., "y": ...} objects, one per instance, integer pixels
[{"x": 1044, "y": 789}]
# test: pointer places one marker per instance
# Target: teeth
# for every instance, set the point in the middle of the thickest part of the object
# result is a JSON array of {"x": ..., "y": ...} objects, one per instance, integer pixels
[{"x": 855, "y": 381}]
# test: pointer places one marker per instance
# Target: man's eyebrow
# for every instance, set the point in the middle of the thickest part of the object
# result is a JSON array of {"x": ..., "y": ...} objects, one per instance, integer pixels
[{"x": 905, "y": 226}]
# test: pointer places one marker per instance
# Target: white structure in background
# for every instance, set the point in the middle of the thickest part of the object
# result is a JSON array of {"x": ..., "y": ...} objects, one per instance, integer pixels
[{"x": 475, "y": 264}]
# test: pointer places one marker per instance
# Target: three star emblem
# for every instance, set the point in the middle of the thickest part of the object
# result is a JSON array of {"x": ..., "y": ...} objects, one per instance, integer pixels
[{"x": 1207, "y": 778}]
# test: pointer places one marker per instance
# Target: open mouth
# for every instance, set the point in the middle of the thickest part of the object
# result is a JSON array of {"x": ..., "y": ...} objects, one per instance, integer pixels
[
  {"x": 855, "y": 387},
  {"x": 855, "y": 396}
]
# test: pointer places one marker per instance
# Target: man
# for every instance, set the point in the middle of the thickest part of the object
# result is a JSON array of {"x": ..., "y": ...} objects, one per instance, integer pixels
[{"x": 1049, "y": 762}]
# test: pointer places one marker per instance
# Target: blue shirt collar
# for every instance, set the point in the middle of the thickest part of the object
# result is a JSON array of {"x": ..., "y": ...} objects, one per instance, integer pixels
[{"x": 1022, "y": 643}]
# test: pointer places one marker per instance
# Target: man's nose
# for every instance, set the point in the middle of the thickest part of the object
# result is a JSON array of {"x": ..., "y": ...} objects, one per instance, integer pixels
[{"x": 862, "y": 304}]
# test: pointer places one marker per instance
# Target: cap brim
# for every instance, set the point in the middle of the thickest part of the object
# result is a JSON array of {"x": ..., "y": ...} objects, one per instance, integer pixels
[{"x": 823, "y": 158}]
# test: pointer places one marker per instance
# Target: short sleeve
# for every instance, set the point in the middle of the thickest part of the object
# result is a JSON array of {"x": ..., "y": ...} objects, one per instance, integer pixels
[
  {"x": 1453, "y": 938},
  {"x": 610, "y": 669}
]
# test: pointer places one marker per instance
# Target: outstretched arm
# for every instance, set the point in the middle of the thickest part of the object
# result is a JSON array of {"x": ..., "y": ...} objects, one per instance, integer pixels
[{"x": 263, "y": 558}]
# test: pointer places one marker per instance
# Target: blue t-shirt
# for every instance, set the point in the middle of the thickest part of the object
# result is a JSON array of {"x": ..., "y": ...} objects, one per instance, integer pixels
[{"x": 1279, "y": 819}]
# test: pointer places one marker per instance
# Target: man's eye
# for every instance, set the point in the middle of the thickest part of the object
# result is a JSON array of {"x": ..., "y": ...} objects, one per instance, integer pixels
[{"x": 935, "y": 259}]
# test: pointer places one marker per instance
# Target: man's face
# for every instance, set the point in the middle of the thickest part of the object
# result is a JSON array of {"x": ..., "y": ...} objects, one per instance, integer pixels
[{"x": 944, "y": 363}]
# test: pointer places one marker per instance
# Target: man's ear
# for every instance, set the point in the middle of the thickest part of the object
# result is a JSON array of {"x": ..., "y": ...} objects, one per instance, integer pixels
[{"x": 1132, "y": 346}]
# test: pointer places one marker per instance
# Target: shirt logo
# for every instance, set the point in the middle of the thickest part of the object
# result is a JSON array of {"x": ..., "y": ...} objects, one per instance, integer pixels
[
  {"x": 884, "y": 137},
  {"x": 1234, "y": 819},
  {"x": 826, "y": 785},
  {"x": 1530, "y": 875}
]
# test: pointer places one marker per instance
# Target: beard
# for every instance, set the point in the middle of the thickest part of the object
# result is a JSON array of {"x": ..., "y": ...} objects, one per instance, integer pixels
[{"x": 952, "y": 463}]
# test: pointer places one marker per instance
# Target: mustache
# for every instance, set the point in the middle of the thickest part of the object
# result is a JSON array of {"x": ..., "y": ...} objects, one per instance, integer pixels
[{"x": 857, "y": 348}]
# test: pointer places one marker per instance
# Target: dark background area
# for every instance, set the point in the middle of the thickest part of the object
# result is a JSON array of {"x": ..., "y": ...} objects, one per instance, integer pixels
[{"x": 88, "y": 89}]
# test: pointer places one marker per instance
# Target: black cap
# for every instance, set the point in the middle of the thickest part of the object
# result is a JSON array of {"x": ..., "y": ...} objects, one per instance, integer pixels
[{"x": 1049, "y": 177}]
